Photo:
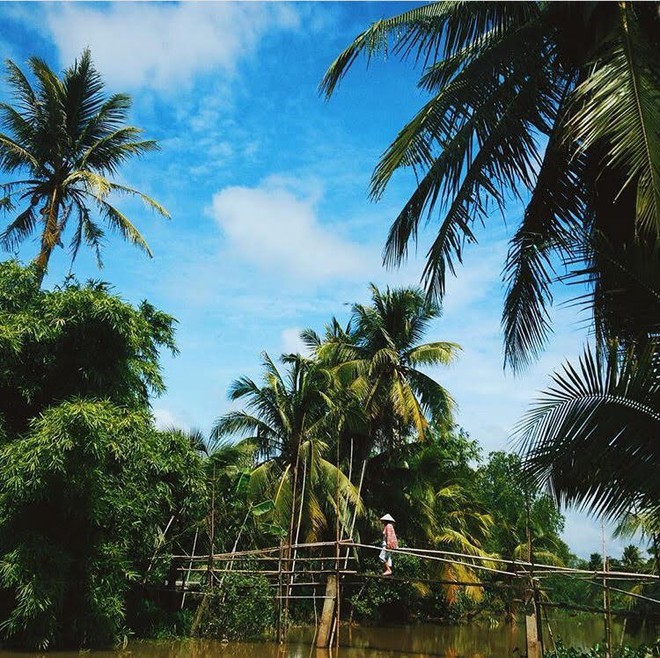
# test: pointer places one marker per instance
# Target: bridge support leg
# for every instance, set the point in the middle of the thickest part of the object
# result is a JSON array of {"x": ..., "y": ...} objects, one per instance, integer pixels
[
  {"x": 328, "y": 614},
  {"x": 532, "y": 619}
]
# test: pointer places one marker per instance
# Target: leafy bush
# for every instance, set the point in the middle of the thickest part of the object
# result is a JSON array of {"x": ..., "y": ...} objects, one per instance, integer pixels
[
  {"x": 242, "y": 609},
  {"x": 85, "y": 479},
  {"x": 81, "y": 498},
  {"x": 385, "y": 600}
]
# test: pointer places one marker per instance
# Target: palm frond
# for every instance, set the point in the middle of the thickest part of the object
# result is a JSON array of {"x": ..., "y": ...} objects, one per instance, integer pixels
[
  {"x": 431, "y": 354},
  {"x": 552, "y": 218},
  {"x": 591, "y": 436},
  {"x": 19, "y": 229},
  {"x": 427, "y": 32},
  {"x": 434, "y": 398},
  {"x": 13, "y": 155},
  {"x": 619, "y": 111},
  {"x": 121, "y": 223}
]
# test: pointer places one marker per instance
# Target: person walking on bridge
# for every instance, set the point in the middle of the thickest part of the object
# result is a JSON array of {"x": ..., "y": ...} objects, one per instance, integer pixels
[{"x": 390, "y": 542}]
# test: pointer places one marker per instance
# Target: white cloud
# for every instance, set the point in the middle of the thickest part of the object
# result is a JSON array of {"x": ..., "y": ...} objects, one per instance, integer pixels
[
  {"x": 162, "y": 45},
  {"x": 275, "y": 227},
  {"x": 164, "y": 419},
  {"x": 292, "y": 343}
]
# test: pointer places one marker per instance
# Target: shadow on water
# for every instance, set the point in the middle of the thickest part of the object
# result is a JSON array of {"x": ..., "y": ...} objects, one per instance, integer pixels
[{"x": 424, "y": 641}]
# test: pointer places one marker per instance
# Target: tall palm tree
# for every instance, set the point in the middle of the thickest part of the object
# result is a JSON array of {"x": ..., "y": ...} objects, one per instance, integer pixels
[
  {"x": 557, "y": 104},
  {"x": 289, "y": 419},
  {"x": 68, "y": 139},
  {"x": 379, "y": 356}
]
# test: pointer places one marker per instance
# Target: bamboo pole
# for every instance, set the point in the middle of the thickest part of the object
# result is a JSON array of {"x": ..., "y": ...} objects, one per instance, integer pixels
[
  {"x": 161, "y": 541},
  {"x": 279, "y": 596},
  {"x": 211, "y": 579},
  {"x": 183, "y": 598}
]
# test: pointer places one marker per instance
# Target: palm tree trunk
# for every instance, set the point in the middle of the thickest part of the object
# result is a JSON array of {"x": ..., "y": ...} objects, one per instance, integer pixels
[
  {"x": 297, "y": 537},
  {"x": 292, "y": 515},
  {"x": 50, "y": 236}
]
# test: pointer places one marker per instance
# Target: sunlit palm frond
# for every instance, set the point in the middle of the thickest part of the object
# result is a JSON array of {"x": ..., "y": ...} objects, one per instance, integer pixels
[
  {"x": 619, "y": 110},
  {"x": 431, "y": 354},
  {"x": 123, "y": 225},
  {"x": 433, "y": 397},
  {"x": 644, "y": 522}
]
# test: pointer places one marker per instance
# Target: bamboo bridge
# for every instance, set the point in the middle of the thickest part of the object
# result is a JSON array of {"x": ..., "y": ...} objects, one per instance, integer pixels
[{"x": 323, "y": 568}]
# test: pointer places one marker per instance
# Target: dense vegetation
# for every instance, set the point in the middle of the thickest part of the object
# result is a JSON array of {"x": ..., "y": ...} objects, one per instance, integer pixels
[{"x": 94, "y": 501}]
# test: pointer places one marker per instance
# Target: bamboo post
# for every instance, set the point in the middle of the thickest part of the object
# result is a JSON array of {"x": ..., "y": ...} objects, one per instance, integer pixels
[
  {"x": 339, "y": 528},
  {"x": 337, "y": 597},
  {"x": 212, "y": 534},
  {"x": 607, "y": 621},
  {"x": 161, "y": 541},
  {"x": 280, "y": 638}
]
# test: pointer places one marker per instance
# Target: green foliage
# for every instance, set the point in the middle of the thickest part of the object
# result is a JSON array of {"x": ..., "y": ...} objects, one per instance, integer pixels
[
  {"x": 552, "y": 103},
  {"x": 590, "y": 436},
  {"x": 504, "y": 490},
  {"x": 377, "y": 363},
  {"x": 86, "y": 482},
  {"x": 558, "y": 105},
  {"x": 241, "y": 609},
  {"x": 288, "y": 421},
  {"x": 385, "y": 600},
  {"x": 80, "y": 500},
  {"x": 78, "y": 340},
  {"x": 151, "y": 619}
]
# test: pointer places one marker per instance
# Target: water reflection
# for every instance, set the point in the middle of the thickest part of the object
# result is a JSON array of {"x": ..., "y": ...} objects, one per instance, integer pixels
[{"x": 402, "y": 642}]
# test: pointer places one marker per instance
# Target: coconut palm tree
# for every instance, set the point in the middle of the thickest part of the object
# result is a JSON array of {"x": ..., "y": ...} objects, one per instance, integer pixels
[
  {"x": 557, "y": 104},
  {"x": 427, "y": 486},
  {"x": 67, "y": 139},
  {"x": 379, "y": 356},
  {"x": 288, "y": 419}
]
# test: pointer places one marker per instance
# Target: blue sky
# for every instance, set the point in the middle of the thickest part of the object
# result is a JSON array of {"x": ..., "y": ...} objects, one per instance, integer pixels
[{"x": 272, "y": 230}]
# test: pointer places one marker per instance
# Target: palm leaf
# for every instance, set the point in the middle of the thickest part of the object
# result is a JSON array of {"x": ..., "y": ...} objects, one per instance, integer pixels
[
  {"x": 430, "y": 354},
  {"x": 13, "y": 155},
  {"x": 427, "y": 31},
  {"x": 551, "y": 219},
  {"x": 22, "y": 227},
  {"x": 591, "y": 436},
  {"x": 619, "y": 110},
  {"x": 121, "y": 223}
]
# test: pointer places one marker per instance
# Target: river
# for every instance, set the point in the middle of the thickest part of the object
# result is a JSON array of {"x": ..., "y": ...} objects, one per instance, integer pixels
[{"x": 424, "y": 641}]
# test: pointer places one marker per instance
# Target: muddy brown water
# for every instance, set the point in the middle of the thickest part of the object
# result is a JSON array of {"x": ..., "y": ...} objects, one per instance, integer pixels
[{"x": 425, "y": 641}]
